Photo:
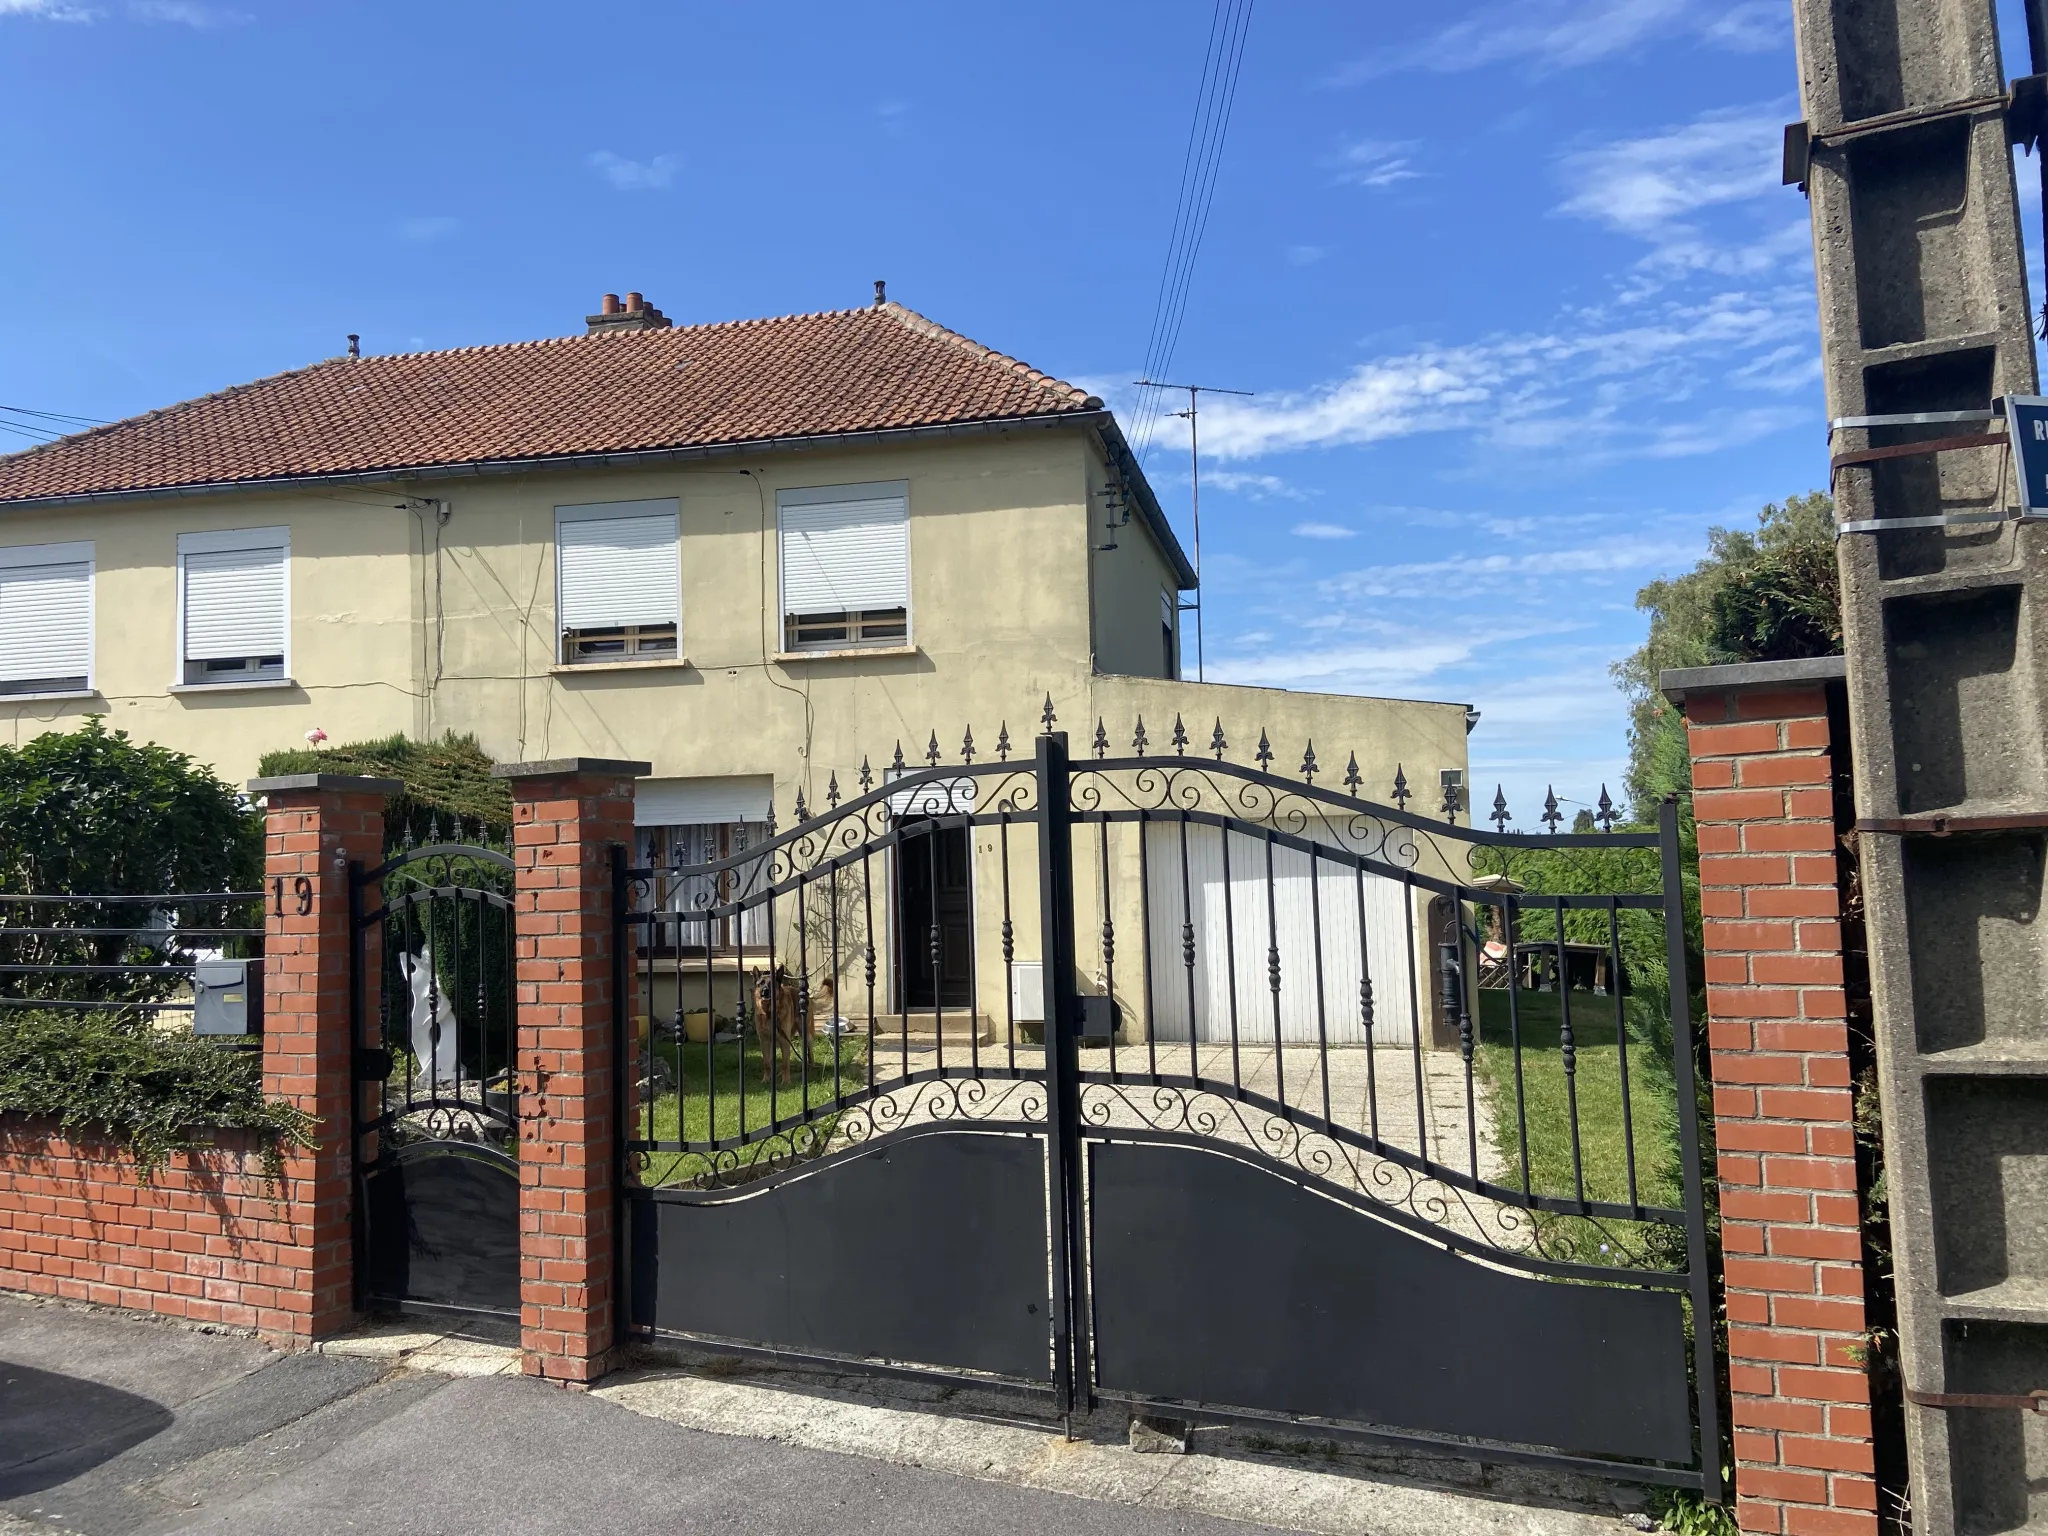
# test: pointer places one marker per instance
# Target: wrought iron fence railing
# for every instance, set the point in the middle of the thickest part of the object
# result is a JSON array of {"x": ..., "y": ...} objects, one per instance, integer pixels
[{"x": 151, "y": 955}]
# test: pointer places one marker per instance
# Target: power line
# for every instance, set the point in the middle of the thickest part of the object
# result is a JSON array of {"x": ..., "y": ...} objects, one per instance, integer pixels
[
  {"x": 33, "y": 434},
  {"x": 1229, "y": 24},
  {"x": 22, "y": 410}
]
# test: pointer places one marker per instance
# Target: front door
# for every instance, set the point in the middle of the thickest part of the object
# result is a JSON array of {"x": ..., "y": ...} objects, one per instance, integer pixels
[{"x": 935, "y": 910}]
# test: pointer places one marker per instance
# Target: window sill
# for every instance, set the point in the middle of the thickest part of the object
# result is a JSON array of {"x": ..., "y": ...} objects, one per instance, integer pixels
[
  {"x": 657, "y": 664},
  {"x": 41, "y": 698},
  {"x": 847, "y": 653},
  {"x": 249, "y": 687}
]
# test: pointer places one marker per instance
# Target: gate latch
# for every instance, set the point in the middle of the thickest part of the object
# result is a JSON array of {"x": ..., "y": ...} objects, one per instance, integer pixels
[{"x": 373, "y": 1064}]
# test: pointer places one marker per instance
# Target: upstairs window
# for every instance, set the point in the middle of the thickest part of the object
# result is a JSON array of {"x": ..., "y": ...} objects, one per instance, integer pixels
[
  {"x": 46, "y": 619},
  {"x": 679, "y": 823},
  {"x": 232, "y": 605},
  {"x": 845, "y": 561},
  {"x": 618, "y": 582}
]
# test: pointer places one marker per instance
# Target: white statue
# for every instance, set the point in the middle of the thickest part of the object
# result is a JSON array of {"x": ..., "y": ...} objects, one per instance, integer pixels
[{"x": 438, "y": 1062}]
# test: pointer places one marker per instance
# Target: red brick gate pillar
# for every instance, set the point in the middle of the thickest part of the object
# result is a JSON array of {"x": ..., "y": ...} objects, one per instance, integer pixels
[
  {"x": 315, "y": 824},
  {"x": 1763, "y": 771},
  {"x": 567, "y": 816}
]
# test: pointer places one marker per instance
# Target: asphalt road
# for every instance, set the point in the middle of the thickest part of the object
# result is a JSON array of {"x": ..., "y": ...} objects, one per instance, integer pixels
[{"x": 111, "y": 1426}]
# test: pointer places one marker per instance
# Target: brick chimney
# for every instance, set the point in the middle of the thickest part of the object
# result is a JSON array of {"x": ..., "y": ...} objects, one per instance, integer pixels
[{"x": 636, "y": 314}]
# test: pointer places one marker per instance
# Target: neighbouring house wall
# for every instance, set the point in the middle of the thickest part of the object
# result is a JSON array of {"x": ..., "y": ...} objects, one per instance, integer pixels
[
  {"x": 1126, "y": 583},
  {"x": 207, "y": 1239}
]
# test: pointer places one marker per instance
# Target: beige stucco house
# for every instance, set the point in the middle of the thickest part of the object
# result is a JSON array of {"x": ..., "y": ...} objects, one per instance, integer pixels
[{"x": 751, "y": 554}]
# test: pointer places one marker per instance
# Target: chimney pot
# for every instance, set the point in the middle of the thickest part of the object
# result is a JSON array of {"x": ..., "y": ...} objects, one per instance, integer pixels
[
  {"x": 634, "y": 303},
  {"x": 355, "y": 345},
  {"x": 881, "y": 292},
  {"x": 610, "y": 305}
]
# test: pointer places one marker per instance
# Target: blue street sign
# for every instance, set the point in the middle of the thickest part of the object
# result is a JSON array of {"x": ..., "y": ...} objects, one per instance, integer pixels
[{"x": 2026, "y": 421}]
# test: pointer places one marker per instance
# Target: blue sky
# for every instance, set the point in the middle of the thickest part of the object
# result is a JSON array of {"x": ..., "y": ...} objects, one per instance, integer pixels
[{"x": 1523, "y": 304}]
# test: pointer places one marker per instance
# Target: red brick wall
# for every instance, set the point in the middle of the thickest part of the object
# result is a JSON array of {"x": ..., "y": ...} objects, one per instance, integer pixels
[
  {"x": 1778, "y": 1029},
  {"x": 564, "y": 827},
  {"x": 206, "y": 1239}
]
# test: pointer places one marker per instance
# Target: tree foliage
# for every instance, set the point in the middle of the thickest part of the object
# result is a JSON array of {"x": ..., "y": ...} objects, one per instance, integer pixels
[
  {"x": 1767, "y": 595},
  {"x": 91, "y": 813}
]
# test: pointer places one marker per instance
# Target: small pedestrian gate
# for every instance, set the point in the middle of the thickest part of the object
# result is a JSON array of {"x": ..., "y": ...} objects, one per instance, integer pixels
[
  {"x": 437, "y": 1175},
  {"x": 1235, "y": 1112}
]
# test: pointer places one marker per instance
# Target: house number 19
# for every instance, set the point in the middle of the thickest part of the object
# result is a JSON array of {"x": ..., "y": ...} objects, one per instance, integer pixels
[{"x": 302, "y": 894}]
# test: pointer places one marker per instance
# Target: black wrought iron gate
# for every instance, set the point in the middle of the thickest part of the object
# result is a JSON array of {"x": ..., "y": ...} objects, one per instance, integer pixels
[
  {"x": 1267, "y": 1103},
  {"x": 437, "y": 1174}
]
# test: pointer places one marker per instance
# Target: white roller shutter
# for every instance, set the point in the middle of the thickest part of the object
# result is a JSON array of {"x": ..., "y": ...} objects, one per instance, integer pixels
[
  {"x": 46, "y": 613},
  {"x": 845, "y": 548},
  {"x": 701, "y": 802},
  {"x": 234, "y": 597},
  {"x": 616, "y": 563}
]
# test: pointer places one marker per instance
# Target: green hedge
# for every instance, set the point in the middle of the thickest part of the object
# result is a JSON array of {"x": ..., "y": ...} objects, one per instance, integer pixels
[
  {"x": 161, "y": 1092},
  {"x": 448, "y": 784}
]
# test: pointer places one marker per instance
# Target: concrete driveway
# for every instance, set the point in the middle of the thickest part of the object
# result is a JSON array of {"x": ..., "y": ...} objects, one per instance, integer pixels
[{"x": 111, "y": 1425}]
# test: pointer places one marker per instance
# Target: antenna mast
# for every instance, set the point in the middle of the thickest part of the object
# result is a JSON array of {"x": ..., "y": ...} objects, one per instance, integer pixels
[{"x": 1195, "y": 488}]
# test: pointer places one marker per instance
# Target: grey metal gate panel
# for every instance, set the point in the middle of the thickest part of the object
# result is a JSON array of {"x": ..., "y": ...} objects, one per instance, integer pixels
[
  {"x": 1218, "y": 1282},
  {"x": 926, "y": 1249}
]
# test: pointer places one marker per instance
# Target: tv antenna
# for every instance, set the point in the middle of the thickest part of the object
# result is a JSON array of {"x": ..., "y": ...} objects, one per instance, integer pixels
[{"x": 1195, "y": 484}]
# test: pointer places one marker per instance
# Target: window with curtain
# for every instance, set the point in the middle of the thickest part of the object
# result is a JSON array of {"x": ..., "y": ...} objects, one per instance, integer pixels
[
  {"x": 232, "y": 605},
  {"x": 845, "y": 563},
  {"x": 618, "y": 582},
  {"x": 46, "y": 618}
]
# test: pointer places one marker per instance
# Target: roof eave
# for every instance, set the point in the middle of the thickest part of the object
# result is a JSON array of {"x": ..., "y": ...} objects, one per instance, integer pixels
[{"x": 636, "y": 458}]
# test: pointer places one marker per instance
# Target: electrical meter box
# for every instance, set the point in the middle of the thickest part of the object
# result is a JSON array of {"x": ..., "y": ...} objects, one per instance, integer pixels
[{"x": 227, "y": 997}]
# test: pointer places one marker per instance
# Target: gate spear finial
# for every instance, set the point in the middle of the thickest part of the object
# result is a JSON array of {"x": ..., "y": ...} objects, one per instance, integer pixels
[
  {"x": 1048, "y": 716},
  {"x": 1499, "y": 814},
  {"x": 1180, "y": 738},
  {"x": 1308, "y": 763},
  {"x": 1401, "y": 790},
  {"x": 1551, "y": 814},
  {"x": 1605, "y": 815},
  {"x": 1352, "y": 780},
  {"x": 1264, "y": 756},
  {"x": 1216, "y": 742}
]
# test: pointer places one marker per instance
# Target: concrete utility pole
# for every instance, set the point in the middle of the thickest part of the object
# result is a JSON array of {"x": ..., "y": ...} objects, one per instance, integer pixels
[
  {"x": 1905, "y": 152},
  {"x": 1195, "y": 477}
]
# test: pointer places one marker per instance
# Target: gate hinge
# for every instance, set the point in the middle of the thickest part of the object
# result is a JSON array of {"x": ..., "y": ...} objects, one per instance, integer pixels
[
  {"x": 373, "y": 1064},
  {"x": 2035, "y": 1401}
]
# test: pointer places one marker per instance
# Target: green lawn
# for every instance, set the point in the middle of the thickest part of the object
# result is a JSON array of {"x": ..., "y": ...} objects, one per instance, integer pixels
[
  {"x": 725, "y": 1081},
  {"x": 1545, "y": 1099}
]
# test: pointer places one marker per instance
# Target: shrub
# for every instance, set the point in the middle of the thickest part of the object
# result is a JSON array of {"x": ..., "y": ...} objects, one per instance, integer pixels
[
  {"x": 154, "y": 1090},
  {"x": 447, "y": 782}
]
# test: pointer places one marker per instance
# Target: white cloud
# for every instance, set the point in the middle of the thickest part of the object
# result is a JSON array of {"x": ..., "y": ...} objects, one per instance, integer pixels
[
  {"x": 1256, "y": 487},
  {"x": 1305, "y": 255},
  {"x": 1323, "y": 531},
  {"x": 186, "y": 13},
  {"x": 423, "y": 231},
  {"x": 1640, "y": 185},
  {"x": 1585, "y": 390},
  {"x": 1376, "y": 162},
  {"x": 1472, "y": 574},
  {"x": 1551, "y": 35},
  {"x": 634, "y": 175},
  {"x": 46, "y": 10}
]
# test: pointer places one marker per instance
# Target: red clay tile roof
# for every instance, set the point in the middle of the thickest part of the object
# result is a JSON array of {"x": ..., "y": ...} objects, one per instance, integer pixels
[{"x": 853, "y": 370}]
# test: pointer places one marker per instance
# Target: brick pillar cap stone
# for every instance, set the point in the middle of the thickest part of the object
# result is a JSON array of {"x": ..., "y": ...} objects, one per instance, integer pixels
[
  {"x": 338, "y": 783},
  {"x": 1676, "y": 682},
  {"x": 572, "y": 767}
]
